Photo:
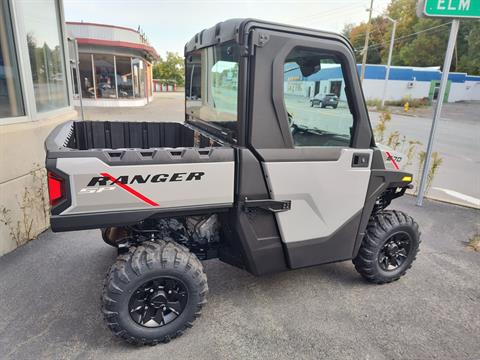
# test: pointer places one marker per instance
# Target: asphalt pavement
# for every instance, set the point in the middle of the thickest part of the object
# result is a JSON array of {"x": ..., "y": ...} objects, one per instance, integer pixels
[{"x": 50, "y": 303}]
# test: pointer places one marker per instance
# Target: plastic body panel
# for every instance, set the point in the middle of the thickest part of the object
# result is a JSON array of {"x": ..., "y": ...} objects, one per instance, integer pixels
[{"x": 136, "y": 182}]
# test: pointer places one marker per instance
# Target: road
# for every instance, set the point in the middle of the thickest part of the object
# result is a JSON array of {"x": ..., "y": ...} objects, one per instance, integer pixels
[
  {"x": 50, "y": 304},
  {"x": 458, "y": 143}
]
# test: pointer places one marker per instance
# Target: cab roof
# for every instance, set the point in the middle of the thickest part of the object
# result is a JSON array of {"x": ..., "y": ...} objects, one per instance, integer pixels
[{"x": 235, "y": 29}]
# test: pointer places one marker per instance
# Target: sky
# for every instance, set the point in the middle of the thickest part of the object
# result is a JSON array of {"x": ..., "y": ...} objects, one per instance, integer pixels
[{"x": 169, "y": 24}]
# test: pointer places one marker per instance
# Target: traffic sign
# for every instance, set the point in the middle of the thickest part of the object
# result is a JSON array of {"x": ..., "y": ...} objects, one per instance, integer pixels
[{"x": 452, "y": 8}]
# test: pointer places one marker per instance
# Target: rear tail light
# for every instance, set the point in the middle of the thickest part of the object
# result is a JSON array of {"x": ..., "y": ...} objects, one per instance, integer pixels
[{"x": 56, "y": 188}]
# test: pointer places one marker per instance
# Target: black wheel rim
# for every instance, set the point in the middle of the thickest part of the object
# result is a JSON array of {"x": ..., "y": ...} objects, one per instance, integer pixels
[
  {"x": 158, "y": 302},
  {"x": 395, "y": 251}
]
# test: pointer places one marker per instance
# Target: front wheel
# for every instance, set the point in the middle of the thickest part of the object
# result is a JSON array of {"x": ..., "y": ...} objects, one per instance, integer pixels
[
  {"x": 153, "y": 293},
  {"x": 389, "y": 247}
]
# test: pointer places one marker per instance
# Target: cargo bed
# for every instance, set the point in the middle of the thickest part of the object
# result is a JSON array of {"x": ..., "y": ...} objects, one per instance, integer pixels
[{"x": 124, "y": 172}]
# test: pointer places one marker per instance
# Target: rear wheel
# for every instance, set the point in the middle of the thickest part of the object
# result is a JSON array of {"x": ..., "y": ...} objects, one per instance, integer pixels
[
  {"x": 389, "y": 248},
  {"x": 153, "y": 293}
]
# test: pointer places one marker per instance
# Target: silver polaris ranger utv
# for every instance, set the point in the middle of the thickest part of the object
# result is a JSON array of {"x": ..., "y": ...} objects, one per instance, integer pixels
[{"x": 256, "y": 177}]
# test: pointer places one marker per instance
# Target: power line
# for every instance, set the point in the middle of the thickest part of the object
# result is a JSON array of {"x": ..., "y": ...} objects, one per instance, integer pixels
[
  {"x": 327, "y": 12},
  {"x": 407, "y": 36}
]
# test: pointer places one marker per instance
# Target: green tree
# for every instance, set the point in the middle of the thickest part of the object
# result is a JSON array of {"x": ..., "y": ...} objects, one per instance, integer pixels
[
  {"x": 426, "y": 48},
  {"x": 172, "y": 68},
  {"x": 356, "y": 35},
  {"x": 470, "y": 59},
  {"x": 416, "y": 44}
]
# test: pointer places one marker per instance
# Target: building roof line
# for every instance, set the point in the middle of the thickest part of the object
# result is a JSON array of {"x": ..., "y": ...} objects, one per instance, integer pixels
[
  {"x": 103, "y": 25},
  {"x": 124, "y": 44}
]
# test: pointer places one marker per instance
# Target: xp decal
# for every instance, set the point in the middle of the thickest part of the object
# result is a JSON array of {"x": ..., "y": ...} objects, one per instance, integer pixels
[
  {"x": 393, "y": 159},
  {"x": 129, "y": 189}
]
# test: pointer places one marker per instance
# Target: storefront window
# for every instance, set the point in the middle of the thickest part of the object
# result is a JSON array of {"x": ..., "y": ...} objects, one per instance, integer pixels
[
  {"x": 45, "y": 48},
  {"x": 138, "y": 78},
  {"x": 86, "y": 76},
  {"x": 105, "y": 76},
  {"x": 124, "y": 77},
  {"x": 11, "y": 103}
]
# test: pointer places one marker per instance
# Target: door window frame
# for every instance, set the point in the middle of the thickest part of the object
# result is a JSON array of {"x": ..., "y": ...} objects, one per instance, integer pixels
[
  {"x": 350, "y": 76},
  {"x": 342, "y": 62}
]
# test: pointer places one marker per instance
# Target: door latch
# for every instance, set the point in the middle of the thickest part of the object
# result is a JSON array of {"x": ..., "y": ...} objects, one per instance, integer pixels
[
  {"x": 270, "y": 205},
  {"x": 360, "y": 160}
]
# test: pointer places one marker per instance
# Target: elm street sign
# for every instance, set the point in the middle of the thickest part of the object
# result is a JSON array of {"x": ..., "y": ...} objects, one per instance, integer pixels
[
  {"x": 455, "y": 9},
  {"x": 452, "y": 8}
]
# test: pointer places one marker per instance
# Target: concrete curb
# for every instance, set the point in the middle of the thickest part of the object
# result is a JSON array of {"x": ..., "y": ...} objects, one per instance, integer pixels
[{"x": 451, "y": 202}]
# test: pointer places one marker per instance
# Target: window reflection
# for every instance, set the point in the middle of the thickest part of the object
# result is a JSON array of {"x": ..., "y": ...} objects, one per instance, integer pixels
[
  {"x": 86, "y": 75},
  {"x": 45, "y": 50},
  {"x": 11, "y": 103},
  {"x": 124, "y": 77}
]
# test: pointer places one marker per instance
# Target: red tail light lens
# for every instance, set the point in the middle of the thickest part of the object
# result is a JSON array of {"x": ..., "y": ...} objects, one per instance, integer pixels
[{"x": 55, "y": 188}]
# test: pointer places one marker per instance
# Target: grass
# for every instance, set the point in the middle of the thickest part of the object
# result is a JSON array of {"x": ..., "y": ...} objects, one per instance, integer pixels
[
  {"x": 412, "y": 103},
  {"x": 474, "y": 242}
]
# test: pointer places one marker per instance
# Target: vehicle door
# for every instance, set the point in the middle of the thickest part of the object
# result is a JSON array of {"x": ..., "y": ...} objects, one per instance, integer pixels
[{"x": 319, "y": 158}]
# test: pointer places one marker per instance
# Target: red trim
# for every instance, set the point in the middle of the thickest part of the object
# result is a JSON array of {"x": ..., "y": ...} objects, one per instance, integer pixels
[
  {"x": 390, "y": 157},
  {"x": 124, "y": 44},
  {"x": 130, "y": 190},
  {"x": 102, "y": 25}
]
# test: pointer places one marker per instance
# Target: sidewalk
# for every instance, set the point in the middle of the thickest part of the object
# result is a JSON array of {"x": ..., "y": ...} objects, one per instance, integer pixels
[
  {"x": 50, "y": 307},
  {"x": 167, "y": 106}
]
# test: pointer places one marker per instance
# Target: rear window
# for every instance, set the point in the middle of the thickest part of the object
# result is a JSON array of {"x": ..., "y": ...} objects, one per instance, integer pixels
[{"x": 211, "y": 87}]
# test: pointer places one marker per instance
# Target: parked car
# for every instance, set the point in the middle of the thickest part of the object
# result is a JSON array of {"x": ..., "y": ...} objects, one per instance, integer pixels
[{"x": 324, "y": 101}]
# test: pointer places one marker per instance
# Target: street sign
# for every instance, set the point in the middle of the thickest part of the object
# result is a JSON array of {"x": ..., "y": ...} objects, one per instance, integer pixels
[{"x": 452, "y": 8}]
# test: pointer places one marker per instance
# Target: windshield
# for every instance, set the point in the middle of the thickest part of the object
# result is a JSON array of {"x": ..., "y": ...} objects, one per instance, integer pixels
[{"x": 211, "y": 87}]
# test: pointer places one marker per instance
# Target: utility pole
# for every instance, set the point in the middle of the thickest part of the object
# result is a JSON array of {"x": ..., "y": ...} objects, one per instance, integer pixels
[
  {"x": 367, "y": 37},
  {"x": 392, "y": 40},
  {"x": 438, "y": 109}
]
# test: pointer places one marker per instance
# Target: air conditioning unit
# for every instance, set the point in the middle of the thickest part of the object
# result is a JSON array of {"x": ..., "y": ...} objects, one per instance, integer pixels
[{"x": 410, "y": 84}]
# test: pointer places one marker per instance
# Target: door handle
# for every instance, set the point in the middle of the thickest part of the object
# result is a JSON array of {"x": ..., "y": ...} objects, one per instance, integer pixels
[{"x": 360, "y": 160}]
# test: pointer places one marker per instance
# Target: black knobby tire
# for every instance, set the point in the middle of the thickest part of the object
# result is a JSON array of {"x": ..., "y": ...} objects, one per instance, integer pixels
[
  {"x": 381, "y": 229},
  {"x": 146, "y": 263}
]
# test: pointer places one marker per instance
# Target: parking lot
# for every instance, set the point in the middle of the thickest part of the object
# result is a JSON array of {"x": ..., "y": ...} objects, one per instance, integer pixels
[
  {"x": 50, "y": 304},
  {"x": 50, "y": 293}
]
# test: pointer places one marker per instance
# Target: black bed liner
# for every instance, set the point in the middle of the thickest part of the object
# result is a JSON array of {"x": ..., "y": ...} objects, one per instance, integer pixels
[{"x": 88, "y": 135}]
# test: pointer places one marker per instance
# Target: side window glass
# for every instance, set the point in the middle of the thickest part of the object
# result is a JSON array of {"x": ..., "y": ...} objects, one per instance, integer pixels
[
  {"x": 315, "y": 98},
  {"x": 211, "y": 87}
]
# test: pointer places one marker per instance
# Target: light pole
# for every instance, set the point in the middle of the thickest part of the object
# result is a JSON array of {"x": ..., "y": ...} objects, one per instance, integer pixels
[
  {"x": 367, "y": 36},
  {"x": 392, "y": 40}
]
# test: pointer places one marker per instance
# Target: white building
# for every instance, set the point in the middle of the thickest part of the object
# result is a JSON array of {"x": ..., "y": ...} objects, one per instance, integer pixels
[
  {"x": 418, "y": 83},
  {"x": 35, "y": 96},
  {"x": 404, "y": 82}
]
